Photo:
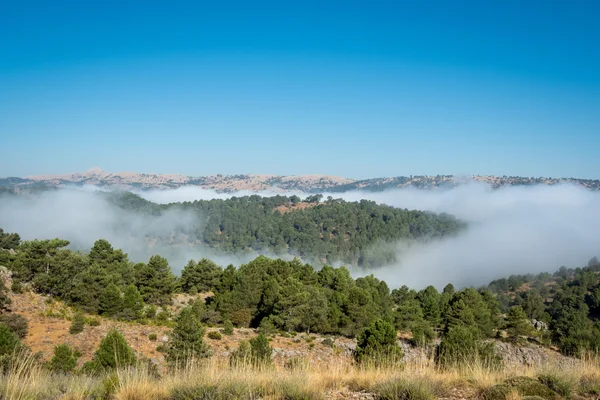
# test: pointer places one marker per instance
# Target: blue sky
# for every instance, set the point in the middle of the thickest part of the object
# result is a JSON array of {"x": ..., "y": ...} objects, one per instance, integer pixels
[{"x": 352, "y": 88}]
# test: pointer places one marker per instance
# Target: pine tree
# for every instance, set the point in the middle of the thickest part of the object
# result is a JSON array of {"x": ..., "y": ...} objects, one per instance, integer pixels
[
  {"x": 64, "y": 359},
  {"x": 111, "y": 302},
  {"x": 77, "y": 323},
  {"x": 517, "y": 324},
  {"x": 187, "y": 339},
  {"x": 114, "y": 352},
  {"x": 377, "y": 344},
  {"x": 155, "y": 281},
  {"x": 133, "y": 303},
  {"x": 261, "y": 350}
]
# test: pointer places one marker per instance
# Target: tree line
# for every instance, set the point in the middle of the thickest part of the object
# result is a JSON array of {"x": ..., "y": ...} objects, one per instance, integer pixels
[{"x": 274, "y": 296}]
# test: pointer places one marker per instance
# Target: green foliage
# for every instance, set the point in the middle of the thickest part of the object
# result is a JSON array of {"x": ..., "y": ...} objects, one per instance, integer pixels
[
  {"x": 17, "y": 286},
  {"x": 5, "y": 301},
  {"x": 214, "y": 335},
  {"x": 337, "y": 231},
  {"x": 17, "y": 323},
  {"x": 403, "y": 389},
  {"x": 155, "y": 281},
  {"x": 186, "y": 342},
  {"x": 111, "y": 302},
  {"x": 260, "y": 350},
  {"x": 77, "y": 323},
  {"x": 153, "y": 337},
  {"x": 202, "y": 276},
  {"x": 461, "y": 346},
  {"x": 517, "y": 324},
  {"x": 562, "y": 384},
  {"x": 133, "y": 304},
  {"x": 524, "y": 386},
  {"x": 228, "y": 327},
  {"x": 9, "y": 240},
  {"x": 242, "y": 355},
  {"x": 377, "y": 344},
  {"x": 114, "y": 352},
  {"x": 9, "y": 341},
  {"x": 64, "y": 359}
]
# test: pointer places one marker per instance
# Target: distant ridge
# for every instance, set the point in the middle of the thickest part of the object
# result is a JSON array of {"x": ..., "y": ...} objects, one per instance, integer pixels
[{"x": 96, "y": 176}]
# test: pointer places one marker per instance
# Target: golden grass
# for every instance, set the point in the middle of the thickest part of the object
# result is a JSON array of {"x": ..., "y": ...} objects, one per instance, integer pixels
[{"x": 312, "y": 379}]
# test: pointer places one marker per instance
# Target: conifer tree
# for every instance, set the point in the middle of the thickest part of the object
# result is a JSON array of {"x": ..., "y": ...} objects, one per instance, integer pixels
[
  {"x": 77, "y": 323},
  {"x": 114, "y": 352},
  {"x": 133, "y": 303},
  {"x": 64, "y": 359},
  {"x": 111, "y": 302},
  {"x": 187, "y": 339}
]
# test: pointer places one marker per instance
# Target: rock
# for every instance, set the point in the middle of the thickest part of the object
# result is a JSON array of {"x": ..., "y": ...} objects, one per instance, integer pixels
[{"x": 539, "y": 325}]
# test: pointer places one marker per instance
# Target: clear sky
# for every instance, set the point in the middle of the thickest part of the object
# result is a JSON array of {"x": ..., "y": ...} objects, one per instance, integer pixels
[{"x": 352, "y": 88}]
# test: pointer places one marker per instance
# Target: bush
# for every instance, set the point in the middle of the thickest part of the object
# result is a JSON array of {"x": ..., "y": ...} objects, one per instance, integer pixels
[
  {"x": 150, "y": 311},
  {"x": 327, "y": 342},
  {"x": 64, "y": 359},
  {"x": 214, "y": 335},
  {"x": 267, "y": 327},
  {"x": 77, "y": 323},
  {"x": 228, "y": 328},
  {"x": 16, "y": 323},
  {"x": 261, "y": 350},
  {"x": 152, "y": 336},
  {"x": 523, "y": 385},
  {"x": 92, "y": 321},
  {"x": 377, "y": 344},
  {"x": 5, "y": 301},
  {"x": 114, "y": 351},
  {"x": 17, "y": 286},
  {"x": 561, "y": 384},
  {"x": 461, "y": 346},
  {"x": 400, "y": 389},
  {"x": 9, "y": 341}
]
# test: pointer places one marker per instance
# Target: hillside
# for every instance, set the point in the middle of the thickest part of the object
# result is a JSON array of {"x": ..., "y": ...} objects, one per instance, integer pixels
[
  {"x": 313, "y": 322},
  {"x": 257, "y": 183}
]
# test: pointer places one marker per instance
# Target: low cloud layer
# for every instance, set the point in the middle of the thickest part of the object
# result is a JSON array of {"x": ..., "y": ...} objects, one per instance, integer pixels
[{"x": 513, "y": 230}]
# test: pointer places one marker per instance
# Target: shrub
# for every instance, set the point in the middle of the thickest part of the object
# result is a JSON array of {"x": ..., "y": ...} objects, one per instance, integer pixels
[
  {"x": 242, "y": 355},
  {"x": 16, "y": 323},
  {"x": 77, "y": 324},
  {"x": 423, "y": 334},
  {"x": 9, "y": 341},
  {"x": 214, "y": 335},
  {"x": 524, "y": 386},
  {"x": 561, "y": 384},
  {"x": 92, "y": 321},
  {"x": 400, "y": 389},
  {"x": 327, "y": 342},
  {"x": 228, "y": 328},
  {"x": 64, "y": 359},
  {"x": 267, "y": 327},
  {"x": 152, "y": 336},
  {"x": 114, "y": 351},
  {"x": 150, "y": 311},
  {"x": 5, "y": 301},
  {"x": 261, "y": 350},
  {"x": 17, "y": 286},
  {"x": 377, "y": 344},
  {"x": 461, "y": 346},
  {"x": 296, "y": 363}
]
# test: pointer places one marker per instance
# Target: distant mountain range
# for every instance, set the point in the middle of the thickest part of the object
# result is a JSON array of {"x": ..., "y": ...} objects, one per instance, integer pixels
[{"x": 304, "y": 183}]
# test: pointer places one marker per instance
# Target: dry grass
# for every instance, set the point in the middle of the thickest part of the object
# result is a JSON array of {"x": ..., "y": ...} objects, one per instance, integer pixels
[{"x": 215, "y": 379}]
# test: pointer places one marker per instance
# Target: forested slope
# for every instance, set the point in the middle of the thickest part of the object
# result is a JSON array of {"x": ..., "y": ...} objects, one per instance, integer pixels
[{"x": 327, "y": 231}]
